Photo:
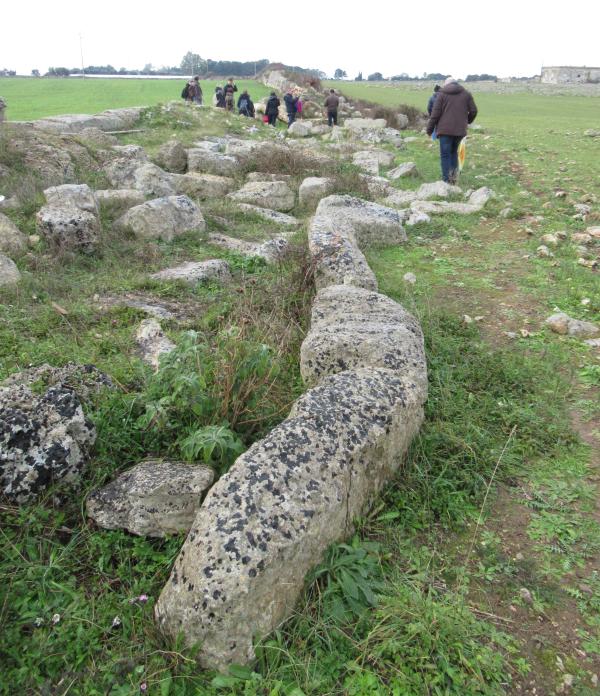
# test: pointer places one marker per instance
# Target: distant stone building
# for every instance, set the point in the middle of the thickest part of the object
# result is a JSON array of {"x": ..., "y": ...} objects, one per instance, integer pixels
[{"x": 563, "y": 74}]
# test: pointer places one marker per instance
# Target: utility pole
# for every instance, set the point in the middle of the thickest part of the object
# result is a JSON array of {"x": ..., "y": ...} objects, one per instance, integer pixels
[{"x": 81, "y": 52}]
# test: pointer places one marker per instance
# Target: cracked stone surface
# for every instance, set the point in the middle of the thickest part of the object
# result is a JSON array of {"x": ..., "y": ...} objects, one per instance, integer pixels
[
  {"x": 193, "y": 272},
  {"x": 271, "y": 251},
  {"x": 153, "y": 498},
  {"x": 163, "y": 218},
  {"x": 68, "y": 227},
  {"x": 78, "y": 196},
  {"x": 152, "y": 342},
  {"x": 270, "y": 215},
  {"x": 276, "y": 195}
]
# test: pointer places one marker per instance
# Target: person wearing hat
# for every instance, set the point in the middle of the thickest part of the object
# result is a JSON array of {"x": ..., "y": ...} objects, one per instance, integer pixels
[{"x": 453, "y": 110}]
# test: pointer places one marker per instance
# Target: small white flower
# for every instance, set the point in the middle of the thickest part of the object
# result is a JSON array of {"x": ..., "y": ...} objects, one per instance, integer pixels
[
  {"x": 55, "y": 618},
  {"x": 38, "y": 621},
  {"x": 116, "y": 622}
]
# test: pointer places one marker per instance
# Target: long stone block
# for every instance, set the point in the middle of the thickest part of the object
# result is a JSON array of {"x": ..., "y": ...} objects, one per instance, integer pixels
[{"x": 269, "y": 520}]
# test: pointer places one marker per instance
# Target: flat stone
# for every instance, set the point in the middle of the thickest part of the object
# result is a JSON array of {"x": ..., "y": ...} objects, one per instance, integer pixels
[
  {"x": 153, "y": 498},
  {"x": 172, "y": 156},
  {"x": 270, "y": 215},
  {"x": 206, "y": 162},
  {"x": 271, "y": 251},
  {"x": 78, "y": 196},
  {"x": 204, "y": 186},
  {"x": 313, "y": 188},
  {"x": 276, "y": 195},
  {"x": 562, "y": 323},
  {"x": 193, "y": 272},
  {"x": 403, "y": 170}
]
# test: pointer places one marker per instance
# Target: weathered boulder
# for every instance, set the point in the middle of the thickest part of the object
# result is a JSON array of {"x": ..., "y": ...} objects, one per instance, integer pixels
[
  {"x": 68, "y": 227},
  {"x": 593, "y": 231},
  {"x": 265, "y": 176},
  {"x": 119, "y": 200},
  {"x": 12, "y": 240},
  {"x": 151, "y": 180},
  {"x": 153, "y": 498},
  {"x": 403, "y": 170},
  {"x": 192, "y": 272},
  {"x": 9, "y": 273},
  {"x": 439, "y": 189},
  {"x": 301, "y": 129},
  {"x": 562, "y": 323},
  {"x": 121, "y": 170},
  {"x": 109, "y": 120},
  {"x": 203, "y": 186},
  {"x": 270, "y": 215},
  {"x": 359, "y": 125},
  {"x": 377, "y": 186},
  {"x": 152, "y": 342},
  {"x": 44, "y": 439},
  {"x": 97, "y": 138},
  {"x": 402, "y": 121},
  {"x": 276, "y": 195},
  {"x": 313, "y": 188},
  {"x": 78, "y": 196},
  {"x": 352, "y": 328},
  {"x": 172, "y": 156},
  {"x": 269, "y": 520},
  {"x": 367, "y": 161},
  {"x": 206, "y": 162},
  {"x": 163, "y": 218}
]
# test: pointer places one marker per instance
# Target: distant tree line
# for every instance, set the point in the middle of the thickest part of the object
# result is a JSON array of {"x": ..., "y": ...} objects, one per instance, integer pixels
[{"x": 480, "y": 78}]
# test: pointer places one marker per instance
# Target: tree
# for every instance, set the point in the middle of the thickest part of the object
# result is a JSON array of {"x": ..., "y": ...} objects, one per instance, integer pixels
[
  {"x": 375, "y": 77},
  {"x": 339, "y": 74},
  {"x": 192, "y": 63},
  {"x": 35, "y": 73},
  {"x": 359, "y": 77}
]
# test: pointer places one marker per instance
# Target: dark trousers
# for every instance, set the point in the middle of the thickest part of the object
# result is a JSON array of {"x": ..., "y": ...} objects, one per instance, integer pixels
[
  {"x": 332, "y": 118},
  {"x": 449, "y": 155},
  {"x": 272, "y": 119},
  {"x": 291, "y": 118}
]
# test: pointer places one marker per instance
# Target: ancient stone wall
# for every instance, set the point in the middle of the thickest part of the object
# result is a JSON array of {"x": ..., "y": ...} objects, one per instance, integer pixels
[
  {"x": 564, "y": 74},
  {"x": 269, "y": 520}
]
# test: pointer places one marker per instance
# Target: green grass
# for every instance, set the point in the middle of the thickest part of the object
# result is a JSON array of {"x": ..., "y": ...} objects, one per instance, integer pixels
[{"x": 32, "y": 98}]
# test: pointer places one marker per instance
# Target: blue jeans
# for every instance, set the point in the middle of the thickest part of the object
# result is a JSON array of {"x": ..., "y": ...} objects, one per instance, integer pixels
[{"x": 449, "y": 155}]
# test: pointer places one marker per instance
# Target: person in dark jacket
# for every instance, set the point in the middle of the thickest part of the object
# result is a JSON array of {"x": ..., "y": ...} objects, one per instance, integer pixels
[
  {"x": 331, "y": 104},
  {"x": 245, "y": 105},
  {"x": 272, "y": 109},
  {"x": 219, "y": 97},
  {"x": 290, "y": 106},
  {"x": 453, "y": 109},
  {"x": 228, "y": 90},
  {"x": 432, "y": 99}
]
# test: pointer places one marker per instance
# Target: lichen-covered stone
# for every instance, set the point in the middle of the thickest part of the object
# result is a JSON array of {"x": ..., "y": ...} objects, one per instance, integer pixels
[
  {"x": 12, "y": 240},
  {"x": 269, "y": 520},
  {"x": 120, "y": 171},
  {"x": 313, "y": 188},
  {"x": 84, "y": 380},
  {"x": 153, "y": 498},
  {"x": 172, "y": 157},
  {"x": 204, "y": 161},
  {"x": 9, "y": 273},
  {"x": 68, "y": 227},
  {"x": 270, "y": 215},
  {"x": 271, "y": 251},
  {"x": 151, "y": 180},
  {"x": 352, "y": 328},
  {"x": 203, "y": 186},
  {"x": 163, "y": 218},
  {"x": 44, "y": 439},
  {"x": 152, "y": 342}
]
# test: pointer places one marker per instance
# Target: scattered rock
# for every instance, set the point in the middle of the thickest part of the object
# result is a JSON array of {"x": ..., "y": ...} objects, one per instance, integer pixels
[
  {"x": 594, "y": 231},
  {"x": 172, "y": 156},
  {"x": 562, "y": 323},
  {"x": 206, "y": 162},
  {"x": 193, "y": 272},
  {"x": 163, "y": 218},
  {"x": 119, "y": 200},
  {"x": 581, "y": 238},
  {"x": 68, "y": 228},
  {"x": 152, "y": 342},
  {"x": 301, "y": 129},
  {"x": 44, "y": 439},
  {"x": 120, "y": 171},
  {"x": 551, "y": 239},
  {"x": 78, "y": 196},
  {"x": 543, "y": 252},
  {"x": 403, "y": 170},
  {"x": 271, "y": 251},
  {"x": 9, "y": 273},
  {"x": 275, "y": 195},
  {"x": 151, "y": 180},
  {"x": 526, "y": 596},
  {"x": 313, "y": 188},
  {"x": 84, "y": 380},
  {"x": 12, "y": 240},
  {"x": 153, "y": 498},
  {"x": 204, "y": 186},
  {"x": 416, "y": 218}
]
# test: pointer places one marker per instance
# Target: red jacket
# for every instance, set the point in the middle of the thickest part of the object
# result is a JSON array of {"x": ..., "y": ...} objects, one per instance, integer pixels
[{"x": 453, "y": 109}]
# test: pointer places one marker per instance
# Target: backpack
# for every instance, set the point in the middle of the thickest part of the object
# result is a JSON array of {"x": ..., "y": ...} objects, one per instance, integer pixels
[
  {"x": 185, "y": 91},
  {"x": 244, "y": 106}
]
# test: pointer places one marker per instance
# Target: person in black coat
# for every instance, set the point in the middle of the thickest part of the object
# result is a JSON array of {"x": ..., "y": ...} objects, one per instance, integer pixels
[
  {"x": 272, "y": 109},
  {"x": 291, "y": 106},
  {"x": 245, "y": 105},
  {"x": 219, "y": 97},
  {"x": 432, "y": 99}
]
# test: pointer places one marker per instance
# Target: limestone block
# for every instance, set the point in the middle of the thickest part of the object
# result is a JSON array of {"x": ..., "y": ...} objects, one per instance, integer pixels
[
  {"x": 9, "y": 273},
  {"x": 152, "y": 342},
  {"x": 269, "y": 520},
  {"x": 119, "y": 200},
  {"x": 193, "y": 272},
  {"x": 172, "y": 157},
  {"x": 163, "y": 218},
  {"x": 68, "y": 227},
  {"x": 206, "y": 162},
  {"x": 151, "y": 180},
  {"x": 153, "y": 498},
  {"x": 203, "y": 186},
  {"x": 12, "y": 240},
  {"x": 276, "y": 195},
  {"x": 403, "y": 170},
  {"x": 270, "y": 215},
  {"x": 78, "y": 196}
]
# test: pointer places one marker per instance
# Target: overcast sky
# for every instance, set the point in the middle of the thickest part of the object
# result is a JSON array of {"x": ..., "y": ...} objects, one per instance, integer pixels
[{"x": 513, "y": 37}]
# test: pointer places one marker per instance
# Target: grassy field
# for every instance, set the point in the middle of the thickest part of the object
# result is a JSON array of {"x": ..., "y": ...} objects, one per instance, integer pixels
[
  {"x": 31, "y": 98},
  {"x": 479, "y": 566}
]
